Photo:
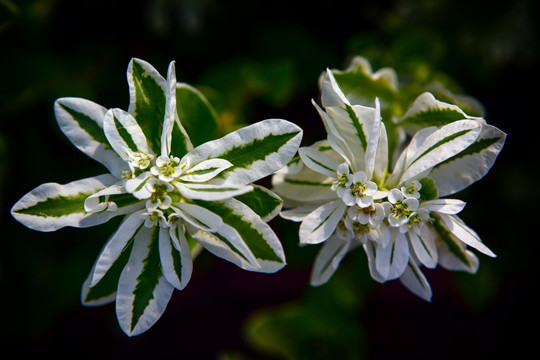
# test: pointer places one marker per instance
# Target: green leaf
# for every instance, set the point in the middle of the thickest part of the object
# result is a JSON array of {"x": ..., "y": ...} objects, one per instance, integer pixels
[
  {"x": 196, "y": 115},
  {"x": 262, "y": 201},
  {"x": 428, "y": 190},
  {"x": 147, "y": 102}
]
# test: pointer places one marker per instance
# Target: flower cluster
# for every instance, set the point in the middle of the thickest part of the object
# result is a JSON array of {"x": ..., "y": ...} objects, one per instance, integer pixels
[
  {"x": 351, "y": 190},
  {"x": 176, "y": 198}
]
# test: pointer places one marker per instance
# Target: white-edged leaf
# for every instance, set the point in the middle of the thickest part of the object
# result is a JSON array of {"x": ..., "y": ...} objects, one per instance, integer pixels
[
  {"x": 328, "y": 260},
  {"x": 453, "y": 256},
  {"x": 299, "y": 213},
  {"x": 322, "y": 222},
  {"x": 113, "y": 198},
  {"x": 424, "y": 247},
  {"x": 211, "y": 192},
  {"x": 427, "y": 111},
  {"x": 470, "y": 165},
  {"x": 445, "y": 206},
  {"x": 124, "y": 134},
  {"x": 256, "y": 234},
  {"x": 465, "y": 234},
  {"x": 199, "y": 216},
  {"x": 381, "y": 156},
  {"x": 318, "y": 161},
  {"x": 255, "y": 151},
  {"x": 304, "y": 186},
  {"x": 143, "y": 291},
  {"x": 205, "y": 170},
  {"x": 441, "y": 145},
  {"x": 391, "y": 260},
  {"x": 52, "y": 206},
  {"x": 81, "y": 121},
  {"x": 126, "y": 233},
  {"x": 370, "y": 248},
  {"x": 175, "y": 256},
  {"x": 147, "y": 100},
  {"x": 415, "y": 281}
]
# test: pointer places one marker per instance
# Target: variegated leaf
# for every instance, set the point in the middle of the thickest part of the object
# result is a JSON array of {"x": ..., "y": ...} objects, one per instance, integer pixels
[
  {"x": 82, "y": 122},
  {"x": 255, "y": 151},
  {"x": 465, "y": 234},
  {"x": 321, "y": 223},
  {"x": 175, "y": 256},
  {"x": 117, "y": 244},
  {"x": 424, "y": 247},
  {"x": 415, "y": 281},
  {"x": 210, "y": 192},
  {"x": 328, "y": 260},
  {"x": 52, "y": 206},
  {"x": 259, "y": 238},
  {"x": 471, "y": 164},
  {"x": 391, "y": 260},
  {"x": 143, "y": 291},
  {"x": 124, "y": 134},
  {"x": 147, "y": 100},
  {"x": 319, "y": 161},
  {"x": 441, "y": 145}
]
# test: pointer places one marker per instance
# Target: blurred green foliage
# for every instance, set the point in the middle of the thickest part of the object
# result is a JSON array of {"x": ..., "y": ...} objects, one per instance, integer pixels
[{"x": 253, "y": 61}]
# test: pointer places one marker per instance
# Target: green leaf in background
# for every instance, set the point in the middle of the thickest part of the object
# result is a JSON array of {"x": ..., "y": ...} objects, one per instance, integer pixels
[{"x": 196, "y": 114}]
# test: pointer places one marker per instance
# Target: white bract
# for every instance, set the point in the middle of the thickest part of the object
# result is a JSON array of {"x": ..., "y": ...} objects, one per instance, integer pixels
[
  {"x": 175, "y": 197},
  {"x": 345, "y": 193}
]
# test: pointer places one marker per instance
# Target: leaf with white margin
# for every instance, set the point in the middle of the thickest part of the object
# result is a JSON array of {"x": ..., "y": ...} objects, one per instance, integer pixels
[
  {"x": 124, "y": 134},
  {"x": 465, "y": 234},
  {"x": 445, "y": 206},
  {"x": 117, "y": 244},
  {"x": 453, "y": 254},
  {"x": 357, "y": 125},
  {"x": 174, "y": 138},
  {"x": 454, "y": 257},
  {"x": 321, "y": 223},
  {"x": 116, "y": 194},
  {"x": 392, "y": 259},
  {"x": 471, "y": 164},
  {"x": 255, "y": 151},
  {"x": 81, "y": 121},
  {"x": 259, "y": 238},
  {"x": 424, "y": 247},
  {"x": 52, "y": 206},
  {"x": 299, "y": 213},
  {"x": 262, "y": 201},
  {"x": 198, "y": 216},
  {"x": 209, "y": 191},
  {"x": 143, "y": 290},
  {"x": 104, "y": 292},
  {"x": 370, "y": 248},
  {"x": 427, "y": 111},
  {"x": 147, "y": 100},
  {"x": 415, "y": 281},
  {"x": 175, "y": 256},
  {"x": 334, "y": 138},
  {"x": 381, "y": 157},
  {"x": 319, "y": 161},
  {"x": 361, "y": 85},
  {"x": 196, "y": 114},
  {"x": 205, "y": 170},
  {"x": 328, "y": 260},
  {"x": 441, "y": 145}
]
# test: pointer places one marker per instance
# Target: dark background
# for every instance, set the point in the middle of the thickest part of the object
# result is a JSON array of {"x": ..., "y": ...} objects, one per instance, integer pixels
[{"x": 256, "y": 60}]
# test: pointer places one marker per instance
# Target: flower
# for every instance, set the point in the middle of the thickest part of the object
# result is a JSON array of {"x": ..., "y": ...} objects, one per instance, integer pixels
[
  {"x": 395, "y": 214},
  {"x": 176, "y": 197}
]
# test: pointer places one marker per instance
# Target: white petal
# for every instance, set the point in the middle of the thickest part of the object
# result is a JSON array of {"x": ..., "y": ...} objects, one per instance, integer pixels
[{"x": 395, "y": 195}]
